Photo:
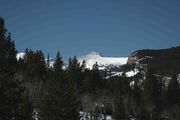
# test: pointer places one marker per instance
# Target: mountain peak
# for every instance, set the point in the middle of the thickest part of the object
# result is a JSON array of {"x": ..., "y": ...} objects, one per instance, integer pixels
[
  {"x": 20, "y": 55},
  {"x": 94, "y": 57},
  {"x": 95, "y": 53}
]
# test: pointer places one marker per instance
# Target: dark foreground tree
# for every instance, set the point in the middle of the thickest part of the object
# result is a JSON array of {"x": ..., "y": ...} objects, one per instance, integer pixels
[
  {"x": 74, "y": 73},
  {"x": 121, "y": 99},
  {"x": 26, "y": 107},
  {"x": 172, "y": 96},
  {"x": 10, "y": 90},
  {"x": 119, "y": 106},
  {"x": 152, "y": 95},
  {"x": 172, "y": 99},
  {"x": 60, "y": 101},
  {"x": 34, "y": 74}
]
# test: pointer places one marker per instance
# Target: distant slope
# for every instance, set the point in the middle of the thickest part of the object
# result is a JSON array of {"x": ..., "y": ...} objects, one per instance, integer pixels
[
  {"x": 91, "y": 59},
  {"x": 20, "y": 55},
  {"x": 162, "y": 60},
  {"x": 103, "y": 62}
]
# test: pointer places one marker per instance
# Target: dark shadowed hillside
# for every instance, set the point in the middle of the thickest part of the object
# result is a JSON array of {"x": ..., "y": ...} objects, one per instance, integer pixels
[{"x": 162, "y": 60}]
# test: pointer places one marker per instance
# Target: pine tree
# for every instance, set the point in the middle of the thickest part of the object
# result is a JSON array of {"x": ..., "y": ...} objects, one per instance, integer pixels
[
  {"x": 97, "y": 82},
  {"x": 119, "y": 108},
  {"x": 60, "y": 101},
  {"x": 151, "y": 94},
  {"x": 35, "y": 66},
  {"x": 34, "y": 75},
  {"x": 172, "y": 99},
  {"x": 121, "y": 101},
  {"x": 26, "y": 107},
  {"x": 48, "y": 61},
  {"x": 137, "y": 93},
  {"x": 137, "y": 90},
  {"x": 58, "y": 65},
  {"x": 10, "y": 90},
  {"x": 93, "y": 83},
  {"x": 74, "y": 73},
  {"x": 172, "y": 93},
  {"x": 83, "y": 65},
  {"x": 142, "y": 113}
]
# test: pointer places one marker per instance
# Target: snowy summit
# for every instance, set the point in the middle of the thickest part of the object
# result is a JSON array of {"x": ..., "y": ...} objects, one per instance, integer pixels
[
  {"x": 20, "y": 55},
  {"x": 91, "y": 59},
  {"x": 94, "y": 57}
]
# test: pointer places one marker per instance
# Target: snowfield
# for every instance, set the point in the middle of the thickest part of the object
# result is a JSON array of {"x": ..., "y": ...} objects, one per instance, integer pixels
[
  {"x": 94, "y": 57},
  {"x": 132, "y": 73},
  {"x": 86, "y": 116}
]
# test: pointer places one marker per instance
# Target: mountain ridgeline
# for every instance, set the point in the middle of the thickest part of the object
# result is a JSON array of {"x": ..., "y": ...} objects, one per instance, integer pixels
[{"x": 164, "y": 61}]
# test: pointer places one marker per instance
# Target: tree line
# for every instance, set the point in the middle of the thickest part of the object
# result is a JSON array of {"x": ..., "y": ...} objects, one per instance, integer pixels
[{"x": 31, "y": 89}]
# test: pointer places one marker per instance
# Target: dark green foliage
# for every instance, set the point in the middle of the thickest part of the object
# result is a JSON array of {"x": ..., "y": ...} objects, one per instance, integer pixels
[
  {"x": 93, "y": 82},
  {"x": 142, "y": 113},
  {"x": 119, "y": 89},
  {"x": 152, "y": 95},
  {"x": 60, "y": 101},
  {"x": 172, "y": 95},
  {"x": 119, "y": 108},
  {"x": 35, "y": 65},
  {"x": 57, "y": 69},
  {"x": 172, "y": 99},
  {"x": 150, "y": 88},
  {"x": 137, "y": 90},
  {"x": 10, "y": 90},
  {"x": 74, "y": 73},
  {"x": 34, "y": 74},
  {"x": 26, "y": 107},
  {"x": 48, "y": 61},
  {"x": 118, "y": 85}
]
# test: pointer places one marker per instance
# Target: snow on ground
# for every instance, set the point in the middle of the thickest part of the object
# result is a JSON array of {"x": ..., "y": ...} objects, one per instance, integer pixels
[
  {"x": 144, "y": 58},
  {"x": 94, "y": 57},
  {"x": 128, "y": 74},
  {"x": 132, "y": 84},
  {"x": 132, "y": 73},
  {"x": 86, "y": 116}
]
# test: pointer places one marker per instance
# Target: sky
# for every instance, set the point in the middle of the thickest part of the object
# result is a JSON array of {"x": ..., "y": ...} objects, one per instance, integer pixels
[{"x": 77, "y": 27}]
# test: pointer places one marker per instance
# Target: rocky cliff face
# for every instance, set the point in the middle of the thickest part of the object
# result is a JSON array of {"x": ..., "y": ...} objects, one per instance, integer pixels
[{"x": 132, "y": 60}]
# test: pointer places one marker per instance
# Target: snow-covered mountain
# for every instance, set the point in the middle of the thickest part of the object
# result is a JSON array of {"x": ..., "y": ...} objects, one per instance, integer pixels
[
  {"x": 91, "y": 59},
  {"x": 111, "y": 64},
  {"x": 20, "y": 55},
  {"x": 102, "y": 62}
]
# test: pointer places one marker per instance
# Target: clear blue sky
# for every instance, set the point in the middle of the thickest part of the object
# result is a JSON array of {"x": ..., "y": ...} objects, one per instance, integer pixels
[{"x": 76, "y": 27}]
